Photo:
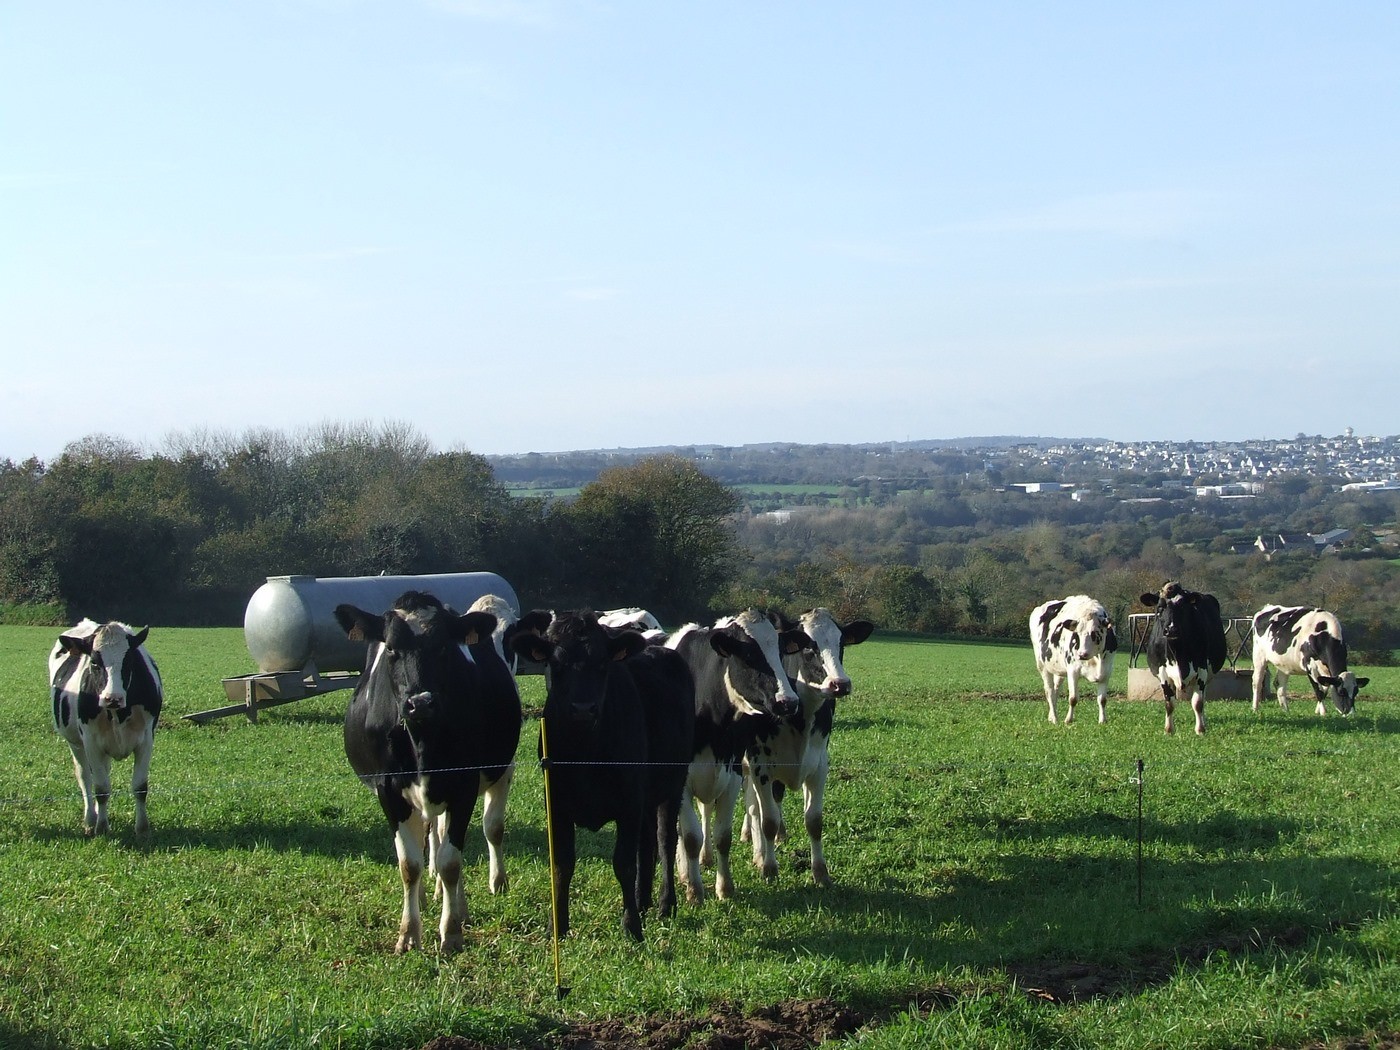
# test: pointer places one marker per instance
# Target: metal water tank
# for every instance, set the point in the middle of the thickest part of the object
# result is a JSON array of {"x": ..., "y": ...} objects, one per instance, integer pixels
[{"x": 290, "y": 620}]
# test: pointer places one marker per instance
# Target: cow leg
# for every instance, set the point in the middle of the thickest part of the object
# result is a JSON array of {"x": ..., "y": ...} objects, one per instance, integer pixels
[
  {"x": 1321, "y": 695},
  {"x": 690, "y": 842},
  {"x": 140, "y": 780},
  {"x": 408, "y": 844},
  {"x": 667, "y": 838},
  {"x": 1103, "y": 701},
  {"x": 85, "y": 784},
  {"x": 813, "y": 793},
  {"x": 1051, "y": 681},
  {"x": 763, "y": 815},
  {"x": 100, "y": 769},
  {"x": 723, "y": 833},
  {"x": 1281, "y": 688},
  {"x": 1198, "y": 706},
  {"x": 1257, "y": 683},
  {"x": 452, "y": 836},
  {"x": 624, "y": 860},
  {"x": 1169, "y": 699},
  {"x": 1071, "y": 687},
  {"x": 493, "y": 827}
]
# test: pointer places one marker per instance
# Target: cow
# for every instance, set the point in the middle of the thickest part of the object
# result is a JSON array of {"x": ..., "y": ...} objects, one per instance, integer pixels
[
  {"x": 107, "y": 698},
  {"x": 1073, "y": 639},
  {"x": 740, "y": 689},
  {"x": 434, "y": 720},
  {"x": 1298, "y": 640},
  {"x": 1185, "y": 645},
  {"x": 791, "y": 752},
  {"x": 616, "y": 738}
]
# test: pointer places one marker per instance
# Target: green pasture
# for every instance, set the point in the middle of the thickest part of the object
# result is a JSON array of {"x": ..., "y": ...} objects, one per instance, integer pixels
[{"x": 987, "y": 873}]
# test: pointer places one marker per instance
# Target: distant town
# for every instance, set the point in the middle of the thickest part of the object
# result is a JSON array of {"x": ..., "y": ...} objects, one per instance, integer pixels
[{"x": 1031, "y": 464}]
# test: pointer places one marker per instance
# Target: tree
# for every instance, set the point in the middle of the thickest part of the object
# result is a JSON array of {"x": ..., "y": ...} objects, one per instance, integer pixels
[{"x": 663, "y": 528}]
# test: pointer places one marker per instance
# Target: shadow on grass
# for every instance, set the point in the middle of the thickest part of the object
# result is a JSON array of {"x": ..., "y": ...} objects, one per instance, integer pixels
[{"x": 1095, "y": 941}]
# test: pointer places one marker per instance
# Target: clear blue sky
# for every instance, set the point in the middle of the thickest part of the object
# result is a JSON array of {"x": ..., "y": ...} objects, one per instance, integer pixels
[{"x": 539, "y": 225}]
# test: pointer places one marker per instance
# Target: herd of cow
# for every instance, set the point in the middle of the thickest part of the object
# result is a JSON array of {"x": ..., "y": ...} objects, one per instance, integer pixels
[
  {"x": 1074, "y": 640},
  {"x": 656, "y": 734}
]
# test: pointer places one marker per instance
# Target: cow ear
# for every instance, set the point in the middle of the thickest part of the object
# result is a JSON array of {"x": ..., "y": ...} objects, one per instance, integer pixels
[
  {"x": 472, "y": 627},
  {"x": 1362, "y": 681},
  {"x": 1326, "y": 679},
  {"x": 73, "y": 644},
  {"x": 723, "y": 643},
  {"x": 536, "y": 621},
  {"x": 1149, "y": 600},
  {"x": 856, "y": 632},
  {"x": 1110, "y": 641},
  {"x": 358, "y": 625},
  {"x": 531, "y": 647},
  {"x": 625, "y": 644},
  {"x": 139, "y": 638},
  {"x": 795, "y": 641}
]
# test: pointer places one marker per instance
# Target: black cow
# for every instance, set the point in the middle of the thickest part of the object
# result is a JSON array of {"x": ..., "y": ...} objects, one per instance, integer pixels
[
  {"x": 617, "y": 733},
  {"x": 106, "y": 701},
  {"x": 741, "y": 690},
  {"x": 434, "y": 720},
  {"x": 1185, "y": 646}
]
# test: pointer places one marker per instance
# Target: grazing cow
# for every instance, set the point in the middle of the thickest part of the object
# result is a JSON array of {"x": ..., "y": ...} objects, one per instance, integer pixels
[
  {"x": 1296, "y": 640},
  {"x": 1073, "y": 638},
  {"x": 434, "y": 720},
  {"x": 106, "y": 702},
  {"x": 791, "y": 752},
  {"x": 1185, "y": 645},
  {"x": 741, "y": 689},
  {"x": 617, "y": 719}
]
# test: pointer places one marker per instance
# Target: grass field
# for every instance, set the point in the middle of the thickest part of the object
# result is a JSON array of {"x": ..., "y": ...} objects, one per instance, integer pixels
[{"x": 986, "y": 867}]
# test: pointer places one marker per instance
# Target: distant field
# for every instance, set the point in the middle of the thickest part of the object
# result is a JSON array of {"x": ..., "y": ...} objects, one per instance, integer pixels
[{"x": 986, "y": 868}]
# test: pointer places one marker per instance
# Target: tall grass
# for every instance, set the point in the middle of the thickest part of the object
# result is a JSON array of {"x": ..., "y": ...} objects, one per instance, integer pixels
[{"x": 977, "y": 851}]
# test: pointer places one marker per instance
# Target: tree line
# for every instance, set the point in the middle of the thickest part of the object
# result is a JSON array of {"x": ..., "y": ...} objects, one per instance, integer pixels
[{"x": 184, "y": 535}]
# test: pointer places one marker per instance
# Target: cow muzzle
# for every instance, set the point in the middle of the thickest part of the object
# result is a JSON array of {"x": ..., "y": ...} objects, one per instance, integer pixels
[
  {"x": 417, "y": 705},
  {"x": 111, "y": 702},
  {"x": 837, "y": 687}
]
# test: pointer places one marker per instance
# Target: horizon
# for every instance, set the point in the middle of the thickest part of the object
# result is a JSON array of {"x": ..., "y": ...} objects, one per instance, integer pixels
[{"x": 562, "y": 224}]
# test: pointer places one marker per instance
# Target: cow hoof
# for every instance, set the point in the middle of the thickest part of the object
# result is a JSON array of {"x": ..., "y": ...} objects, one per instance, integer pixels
[
  {"x": 405, "y": 945},
  {"x": 500, "y": 885},
  {"x": 632, "y": 925},
  {"x": 821, "y": 876},
  {"x": 770, "y": 871},
  {"x": 453, "y": 943},
  {"x": 724, "y": 889}
]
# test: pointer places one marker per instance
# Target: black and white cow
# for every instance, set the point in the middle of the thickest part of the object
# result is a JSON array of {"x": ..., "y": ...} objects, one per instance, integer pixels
[
  {"x": 434, "y": 720},
  {"x": 616, "y": 734},
  {"x": 741, "y": 688},
  {"x": 1185, "y": 646},
  {"x": 106, "y": 702},
  {"x": 792, "y": 751},
  {"x": 1298, "y": 640},
  {"x": 1073, "y": 639},
  {"x": 639, "y": 620}
]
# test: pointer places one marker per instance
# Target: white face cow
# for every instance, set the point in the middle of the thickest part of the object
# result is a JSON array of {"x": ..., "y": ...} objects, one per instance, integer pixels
[
  {"x": 107, "y": 697},
  {"x": 1073, "y": 639}
]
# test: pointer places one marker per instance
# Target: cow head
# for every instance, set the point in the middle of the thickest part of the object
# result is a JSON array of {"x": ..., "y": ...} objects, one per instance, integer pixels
[
  {"x": 111, "y": 652},
  {"x": 753, "y": 649},
  {"x": 1172, "y": 605},
  {"x": 1325, "y": 660},
  {"x": 580, "y": 655},
  {"x": 820, "y": 666},
  {"x": 418, "y": 651}
]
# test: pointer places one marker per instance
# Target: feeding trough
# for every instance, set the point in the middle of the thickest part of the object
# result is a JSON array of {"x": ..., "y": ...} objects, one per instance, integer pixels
[
  {"x": 299, "y": 648},
  {"x": 1231, "y": 682}
]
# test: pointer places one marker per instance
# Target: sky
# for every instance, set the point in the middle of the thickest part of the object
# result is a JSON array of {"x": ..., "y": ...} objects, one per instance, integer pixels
[{"x": 548, "y": 225}]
